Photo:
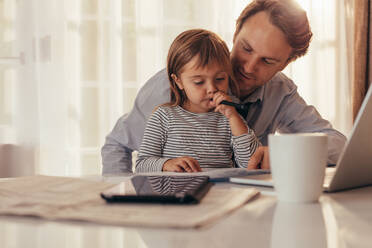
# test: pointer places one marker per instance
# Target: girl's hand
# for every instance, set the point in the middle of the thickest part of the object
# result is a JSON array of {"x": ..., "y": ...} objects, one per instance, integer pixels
[
  {"x": 227, "y": 111},
  {"x": 237, "y": 125},
  {"x": 182, "y": 164}
]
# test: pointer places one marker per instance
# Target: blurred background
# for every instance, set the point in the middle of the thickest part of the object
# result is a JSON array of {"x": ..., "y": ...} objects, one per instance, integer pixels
[{"x": 70, "y": 68}]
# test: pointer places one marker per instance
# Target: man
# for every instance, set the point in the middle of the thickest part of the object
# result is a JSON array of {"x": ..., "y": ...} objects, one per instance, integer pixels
[{"x": 269, "y": 35}]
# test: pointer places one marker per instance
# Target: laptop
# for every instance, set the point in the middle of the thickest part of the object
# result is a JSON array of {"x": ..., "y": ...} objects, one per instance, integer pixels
[{"x": 354, "y": 166}]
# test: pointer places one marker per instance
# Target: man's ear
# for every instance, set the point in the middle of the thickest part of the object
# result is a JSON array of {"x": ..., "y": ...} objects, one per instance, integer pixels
[
  {"x": 289, "y": 60},
  {"x": 285, "y": 64},
  {"x": 177, "y": 81}
]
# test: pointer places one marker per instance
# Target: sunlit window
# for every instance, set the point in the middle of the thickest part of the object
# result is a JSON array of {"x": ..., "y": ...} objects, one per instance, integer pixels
[
  {"x": 9, "y": 61},
  {"x": 322, "y": 75}
]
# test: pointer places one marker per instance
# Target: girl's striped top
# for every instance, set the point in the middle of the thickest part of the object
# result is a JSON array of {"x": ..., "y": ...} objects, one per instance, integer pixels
[{"x": 173, "y": 132}]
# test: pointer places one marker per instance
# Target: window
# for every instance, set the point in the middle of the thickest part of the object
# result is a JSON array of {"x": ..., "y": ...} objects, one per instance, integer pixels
[
  {"x": 322, "y": 75},
  {"x": 9, "y": 62}
]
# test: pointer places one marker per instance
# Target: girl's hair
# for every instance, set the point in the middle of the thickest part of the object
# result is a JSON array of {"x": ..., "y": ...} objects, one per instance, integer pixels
[{"x": 208, "y": 46}]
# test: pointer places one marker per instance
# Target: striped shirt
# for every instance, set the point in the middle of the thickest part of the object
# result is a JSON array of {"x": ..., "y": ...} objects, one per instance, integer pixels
[{"x": 173, "y": 132}]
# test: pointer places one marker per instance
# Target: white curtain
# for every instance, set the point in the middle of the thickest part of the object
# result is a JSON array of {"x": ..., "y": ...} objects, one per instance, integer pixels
[
  {"x": 71, "y": 68},
  {"x": 323, "y": 75}
]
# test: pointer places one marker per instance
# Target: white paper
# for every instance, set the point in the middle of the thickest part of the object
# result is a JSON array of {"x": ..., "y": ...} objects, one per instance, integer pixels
[{"x": 61, "y": 198}]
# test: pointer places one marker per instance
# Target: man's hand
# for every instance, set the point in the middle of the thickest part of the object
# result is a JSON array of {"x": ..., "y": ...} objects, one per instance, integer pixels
[
  {"x": 260, "y": 159},
  {"x": 182, "y": 164}
]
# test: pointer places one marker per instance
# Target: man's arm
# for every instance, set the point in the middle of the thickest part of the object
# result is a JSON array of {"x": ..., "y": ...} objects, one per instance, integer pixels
[
  {"x": 260, "y": 159},
  {"x": 116, "y": 158},
  {"x": 127, "y": 134},
  {"x": 308, "y": 120},
  {"x": 284, "y": 110},
  {"x": 300, "y": 117}
]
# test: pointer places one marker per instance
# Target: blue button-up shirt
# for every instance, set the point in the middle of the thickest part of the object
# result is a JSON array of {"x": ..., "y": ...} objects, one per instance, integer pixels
[{"x": 274, "y": 107}]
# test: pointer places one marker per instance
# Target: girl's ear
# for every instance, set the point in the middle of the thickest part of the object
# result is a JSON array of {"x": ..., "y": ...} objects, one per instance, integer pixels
[{"x": 177, "y": 81}]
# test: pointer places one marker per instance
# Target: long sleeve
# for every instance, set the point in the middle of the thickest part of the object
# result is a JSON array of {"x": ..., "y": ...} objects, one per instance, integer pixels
[
  {"x": 300, "y": 117},
  {"x": 243, "y": 147},
  {"x": 128, "y": 131},
  {"x": 116, "y": 157},
  {"x": 150, "y": 153},
  {"x": 278, "y": 107}
]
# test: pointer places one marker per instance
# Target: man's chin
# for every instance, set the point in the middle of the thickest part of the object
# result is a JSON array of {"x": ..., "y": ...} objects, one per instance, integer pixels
[
  {"x": 247, "y": 90},
  {"x": 247, "y": 85}
]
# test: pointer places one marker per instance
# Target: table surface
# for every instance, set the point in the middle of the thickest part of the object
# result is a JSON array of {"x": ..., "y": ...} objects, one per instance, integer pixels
[{"x": 342, "y": 219}]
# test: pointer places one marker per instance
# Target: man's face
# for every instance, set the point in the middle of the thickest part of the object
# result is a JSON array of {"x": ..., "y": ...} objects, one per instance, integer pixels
[{"x": 259, "y": 51}]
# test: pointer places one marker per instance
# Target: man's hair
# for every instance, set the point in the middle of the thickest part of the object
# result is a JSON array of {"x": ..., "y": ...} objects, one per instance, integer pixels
[
  {"x": 208, "y": 46},
  {"x": 288, "y": 16}
]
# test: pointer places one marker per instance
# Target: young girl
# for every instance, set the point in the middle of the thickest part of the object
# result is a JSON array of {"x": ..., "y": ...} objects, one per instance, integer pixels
[{"x": 194, "y": 130}]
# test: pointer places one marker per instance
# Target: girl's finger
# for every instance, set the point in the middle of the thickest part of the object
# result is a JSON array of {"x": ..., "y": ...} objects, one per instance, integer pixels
[
  {"x": 185, "y": 166},
  {"x": 178, "y": 169},
  {"x": 194, "y": 165}
]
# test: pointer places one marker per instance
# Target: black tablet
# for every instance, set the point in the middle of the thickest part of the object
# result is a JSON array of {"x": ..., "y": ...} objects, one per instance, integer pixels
[{"x": 159, "y": 189}]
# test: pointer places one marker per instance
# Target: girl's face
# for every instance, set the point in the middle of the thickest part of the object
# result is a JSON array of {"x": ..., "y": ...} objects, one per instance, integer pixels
[{"x": 200, "y": 84}]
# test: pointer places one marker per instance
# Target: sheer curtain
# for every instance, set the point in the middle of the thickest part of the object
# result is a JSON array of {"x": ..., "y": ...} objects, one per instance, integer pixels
[
  {"x": 71, "y": 68},
  {"x": 323, "y": 76}
]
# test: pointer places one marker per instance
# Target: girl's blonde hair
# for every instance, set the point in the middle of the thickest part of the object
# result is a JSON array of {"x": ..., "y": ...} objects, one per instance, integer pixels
[{"x": 208, "y": 46}]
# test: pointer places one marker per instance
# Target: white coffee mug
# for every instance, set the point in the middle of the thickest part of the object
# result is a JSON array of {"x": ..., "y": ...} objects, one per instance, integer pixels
[{"x": 298, "y": 164}]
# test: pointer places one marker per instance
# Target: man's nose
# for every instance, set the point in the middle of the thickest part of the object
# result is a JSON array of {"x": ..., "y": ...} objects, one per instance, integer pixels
[{"x": 250, "y": 66}]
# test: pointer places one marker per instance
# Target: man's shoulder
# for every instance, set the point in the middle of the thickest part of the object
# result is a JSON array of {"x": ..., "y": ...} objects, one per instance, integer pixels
[
  {"x": 280, "y": 83},
  {"x": 156, "y": 88},
  {"x": 157, "y": 81},
  {"x": 160, "y": 76}
]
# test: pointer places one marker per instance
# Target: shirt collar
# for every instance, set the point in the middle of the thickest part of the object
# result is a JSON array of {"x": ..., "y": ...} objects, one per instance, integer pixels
[{"x": 256, "y": 95}]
